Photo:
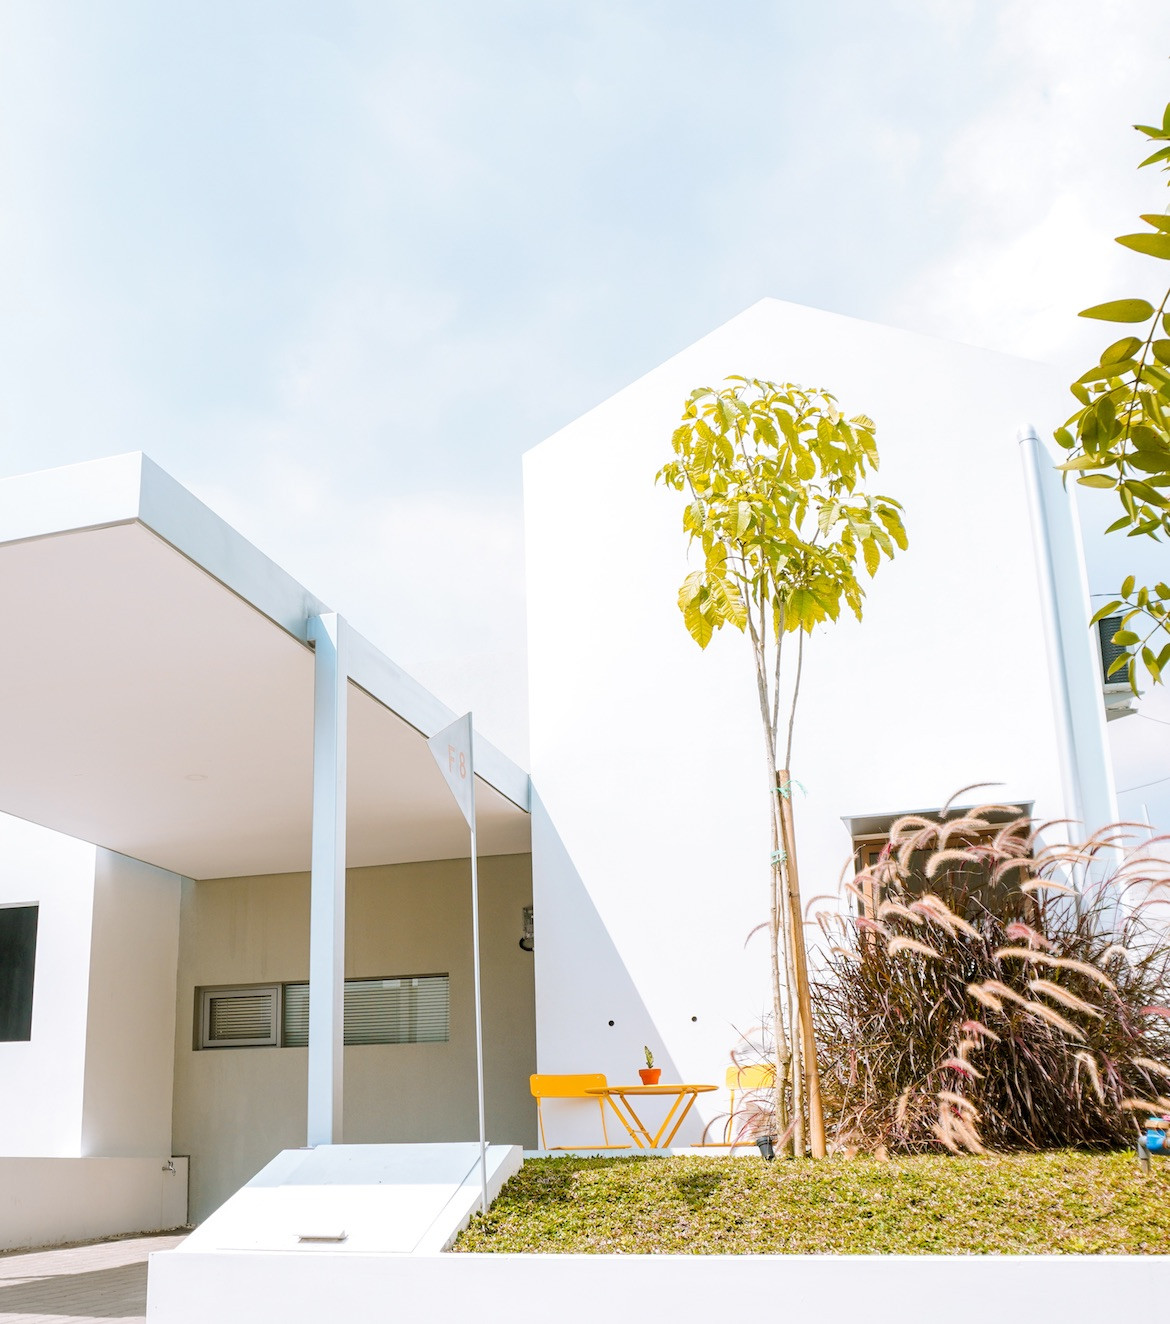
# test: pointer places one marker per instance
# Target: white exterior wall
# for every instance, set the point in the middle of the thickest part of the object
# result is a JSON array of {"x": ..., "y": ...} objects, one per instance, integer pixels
[
  {"x": 85, "y": 1104},
  {"x": 42, "y": 1081},
  {"x": 650, "y": 830},
  {"x": 51, "y": 1201},
  {"x": 130, "y": 1034}
]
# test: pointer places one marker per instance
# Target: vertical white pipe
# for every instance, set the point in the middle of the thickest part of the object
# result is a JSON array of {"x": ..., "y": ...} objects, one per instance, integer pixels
[
  {"x": 1050, "y": 608},
  {"x": 478, "y": 987},
  {"x": 327, "y": 887}
]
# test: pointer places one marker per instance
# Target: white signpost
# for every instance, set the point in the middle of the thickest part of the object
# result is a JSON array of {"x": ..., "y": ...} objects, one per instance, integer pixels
[{"x": 453, "y": 751}]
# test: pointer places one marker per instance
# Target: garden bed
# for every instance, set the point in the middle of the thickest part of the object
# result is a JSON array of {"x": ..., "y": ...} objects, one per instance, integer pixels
[{"x": 1059, "y": 1202}]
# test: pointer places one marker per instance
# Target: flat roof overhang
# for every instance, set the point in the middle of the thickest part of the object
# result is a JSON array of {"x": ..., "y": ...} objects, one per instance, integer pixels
[{"x": 156, "y": 693}]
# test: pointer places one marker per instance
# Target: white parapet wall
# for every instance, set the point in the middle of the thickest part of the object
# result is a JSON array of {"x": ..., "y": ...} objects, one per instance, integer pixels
[
  {"x": 581, "y": 1289},
  {"x": 53, "y": 1201}
]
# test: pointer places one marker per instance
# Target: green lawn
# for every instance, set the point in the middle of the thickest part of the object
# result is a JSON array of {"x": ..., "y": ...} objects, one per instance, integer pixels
[{"x": 1052, "y": 1203}]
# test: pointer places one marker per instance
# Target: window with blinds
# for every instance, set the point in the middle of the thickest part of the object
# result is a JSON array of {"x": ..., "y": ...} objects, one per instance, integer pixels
[
  {"x": 1110, "y": 651},
  {"x": 412, "y": 1009},
  {"x": 246, "y": 1017},
  {"x": 408, "y": 1009}
]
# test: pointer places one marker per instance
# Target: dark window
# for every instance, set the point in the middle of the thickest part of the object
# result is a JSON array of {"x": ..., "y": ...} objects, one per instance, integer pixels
[
  {"x": 18, "y": 951},
  {"x": 1110, "y": 651}
]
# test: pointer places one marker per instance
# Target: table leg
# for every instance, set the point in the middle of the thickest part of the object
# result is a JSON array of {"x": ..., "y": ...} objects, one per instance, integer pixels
[
  {"x": 638, "y": 1133},
  {"x": 666, "y": 1122},
  {"x": 682, "y": 1117}
]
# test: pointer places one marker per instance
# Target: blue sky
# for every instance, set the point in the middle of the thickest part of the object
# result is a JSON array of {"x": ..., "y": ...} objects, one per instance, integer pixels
[{"x": 336, "y": 266}]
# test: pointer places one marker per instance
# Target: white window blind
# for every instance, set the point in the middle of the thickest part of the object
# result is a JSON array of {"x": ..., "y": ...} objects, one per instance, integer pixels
[{"x": 414, "y": 1009}]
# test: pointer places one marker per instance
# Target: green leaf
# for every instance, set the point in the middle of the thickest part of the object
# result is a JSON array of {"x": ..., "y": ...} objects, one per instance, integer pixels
[
  {"x": 1159, "y": 220},
  {"x": 1125, "y": 638},
  {"x": 1083, "y": 462},
  {"x": 1161, "y": 155},
  {"x": 1108, "y": 372},
  {"x": 1152, "y": 664},
  {"x": 869, "y": 549},
  {"x": 803, "y": 609},
  {"x": 1151, "y": 462},
  {"x": 1153, "y": 245},
  {"x": 1127, "y": 585},
  {"x": 893, "y": 522},
  {"x": 743, "y": 518},
  {"x": 1107, "y": 610},
  {"x": 1146, "y": 438},
  {"x": 1121, "y": 349},
  {"x": 1122, "y": 523},
  {"x": 1120, "y": 663},
  {"x": 692, "y": 586},
  {"x": 1120, "y": 310},
  {"x": 1064, "y": 438},
  {"x": 1161, "y": 349},
  {"x": 1096, "y": 480},
  {"x": 699, "y": 624},
  {"x": 1144, "y": 492}
]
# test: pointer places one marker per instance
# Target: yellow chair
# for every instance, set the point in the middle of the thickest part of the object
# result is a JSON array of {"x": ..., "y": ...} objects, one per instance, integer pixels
[
  {"x": 745, "y": 1080},
  {"x": 571, "y": 1087}
]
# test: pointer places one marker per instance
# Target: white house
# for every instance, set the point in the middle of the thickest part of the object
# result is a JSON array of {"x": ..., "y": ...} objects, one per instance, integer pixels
[
  {"x": 161, "y": 688},
  {"x": 974, "y": 664}
]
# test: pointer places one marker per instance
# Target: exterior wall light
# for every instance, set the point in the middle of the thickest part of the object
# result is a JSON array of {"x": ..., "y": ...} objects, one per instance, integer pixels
[{"x": 526, "y": 940}]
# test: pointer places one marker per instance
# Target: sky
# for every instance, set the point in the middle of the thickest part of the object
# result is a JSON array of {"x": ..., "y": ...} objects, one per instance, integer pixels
[{"x": 336, "y": 266}]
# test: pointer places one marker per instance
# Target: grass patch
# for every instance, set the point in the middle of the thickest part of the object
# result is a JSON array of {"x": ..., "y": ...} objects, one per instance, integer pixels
[{"x": 1058, "y": 1202}]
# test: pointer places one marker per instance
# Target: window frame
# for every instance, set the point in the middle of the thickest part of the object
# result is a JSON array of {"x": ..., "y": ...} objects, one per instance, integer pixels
[
  {"x": 25, "y": 1005},
  {"x": 206, "y": 995}
]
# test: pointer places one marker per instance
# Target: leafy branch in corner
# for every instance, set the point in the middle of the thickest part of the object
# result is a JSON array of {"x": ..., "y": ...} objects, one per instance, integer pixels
[{"x": 1119, "y": 439}]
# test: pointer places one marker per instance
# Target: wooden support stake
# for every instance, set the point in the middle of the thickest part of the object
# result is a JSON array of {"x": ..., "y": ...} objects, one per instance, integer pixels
[{"x": 812, "y": 1075}]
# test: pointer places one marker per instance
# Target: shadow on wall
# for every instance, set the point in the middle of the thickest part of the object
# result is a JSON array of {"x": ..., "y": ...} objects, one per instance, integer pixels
[{"x": 590, "y": 1016}]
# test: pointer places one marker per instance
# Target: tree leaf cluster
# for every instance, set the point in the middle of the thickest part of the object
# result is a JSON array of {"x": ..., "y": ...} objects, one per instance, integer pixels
[
  {"x": 1119, "y": 437},
  {"x": 773, "y": 473}
]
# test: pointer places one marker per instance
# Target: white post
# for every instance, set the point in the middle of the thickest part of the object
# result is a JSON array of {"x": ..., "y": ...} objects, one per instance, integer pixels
[
  {"x": 327, "y": 899},
  {"x": 478, "y": 996},
  {"x": 453, "y": 749},
  {"x": 1076, "y": 672}
]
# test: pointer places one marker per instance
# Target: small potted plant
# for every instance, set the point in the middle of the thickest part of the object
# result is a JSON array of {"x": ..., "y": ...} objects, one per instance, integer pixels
[{"x": 650, "y": 1073}]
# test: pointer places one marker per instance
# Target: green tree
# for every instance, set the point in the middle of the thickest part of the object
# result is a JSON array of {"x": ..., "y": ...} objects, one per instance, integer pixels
[
  {"x": 772, "y": 473},
  {"x": 1119, "y": 438}
]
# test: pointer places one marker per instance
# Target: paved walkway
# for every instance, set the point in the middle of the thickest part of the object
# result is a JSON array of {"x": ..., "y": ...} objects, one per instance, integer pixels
[{"x": 78, "y": 1284}]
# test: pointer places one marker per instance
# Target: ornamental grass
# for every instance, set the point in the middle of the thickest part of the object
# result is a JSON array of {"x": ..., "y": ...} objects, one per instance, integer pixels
[{"x": 993, "y": 992}]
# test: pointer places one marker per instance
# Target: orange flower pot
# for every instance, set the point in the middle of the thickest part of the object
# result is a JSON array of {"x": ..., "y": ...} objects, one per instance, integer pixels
[{"x": 650, "y": 1075}]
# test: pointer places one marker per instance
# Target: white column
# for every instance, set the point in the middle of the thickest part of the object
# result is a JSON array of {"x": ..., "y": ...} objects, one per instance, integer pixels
[
  {"x": 1087, "y": 765},
  {"x": 327, "y": 904}
]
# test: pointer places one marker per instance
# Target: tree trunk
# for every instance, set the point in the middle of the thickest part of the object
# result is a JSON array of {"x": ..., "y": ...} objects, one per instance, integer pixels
[{"x": 808, "y": 1046}]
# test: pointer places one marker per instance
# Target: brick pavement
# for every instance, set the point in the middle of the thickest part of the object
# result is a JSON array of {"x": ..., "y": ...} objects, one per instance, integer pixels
[{"x": 78, "y": 1284}]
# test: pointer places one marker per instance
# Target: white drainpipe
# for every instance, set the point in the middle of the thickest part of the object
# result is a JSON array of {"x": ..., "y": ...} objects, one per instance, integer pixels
[{"x": 1078, "y": 701}]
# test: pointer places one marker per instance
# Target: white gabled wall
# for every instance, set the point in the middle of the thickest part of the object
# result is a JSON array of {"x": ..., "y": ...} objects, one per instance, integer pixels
[
  {"x": 41, "y": 1081},
  {"x": 650, "y": 836}
]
